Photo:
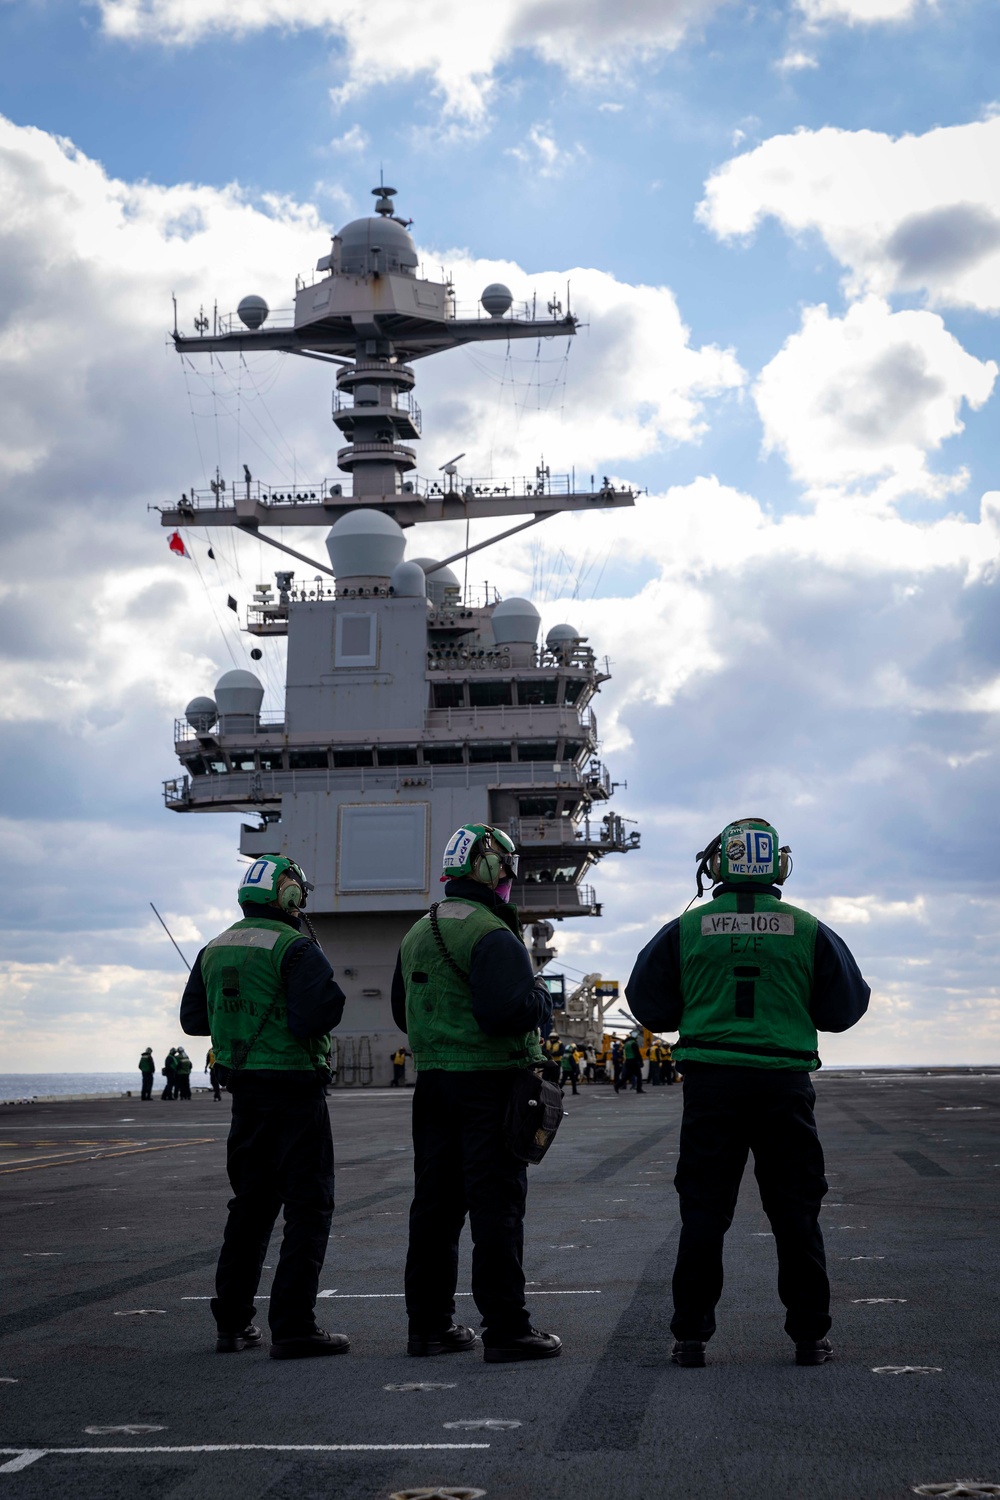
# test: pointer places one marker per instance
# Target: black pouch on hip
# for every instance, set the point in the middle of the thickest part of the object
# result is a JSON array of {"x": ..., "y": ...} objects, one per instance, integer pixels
[{"x": 533, "y": 1116}]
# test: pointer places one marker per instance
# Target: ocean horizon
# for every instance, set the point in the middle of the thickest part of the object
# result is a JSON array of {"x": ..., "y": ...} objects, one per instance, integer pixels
[{"x": 48, "y": 1085}]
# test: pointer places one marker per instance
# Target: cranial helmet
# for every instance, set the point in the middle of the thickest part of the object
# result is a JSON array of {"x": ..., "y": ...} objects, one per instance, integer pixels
[
  {"x": 481, "y": 853},
  {"x": 746, "y": 850},
  {"x": 274, "y": 881}
]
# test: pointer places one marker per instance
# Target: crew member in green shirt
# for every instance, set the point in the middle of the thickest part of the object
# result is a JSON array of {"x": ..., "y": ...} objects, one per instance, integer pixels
[
  {"x": 466, "y": 994},
  {"x": 267, "y": 996},
  {"x": 748, "y": 980}
]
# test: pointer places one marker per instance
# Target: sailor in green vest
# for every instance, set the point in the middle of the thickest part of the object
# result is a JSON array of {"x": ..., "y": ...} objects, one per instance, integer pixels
[
  {"x": 183, "y": 1065},
  {"x": 465, "y": 993},
  {"x": 748, "y": 980},
  {"x": 147, "y": 1068},
  {"x": 267, "y": 996}
]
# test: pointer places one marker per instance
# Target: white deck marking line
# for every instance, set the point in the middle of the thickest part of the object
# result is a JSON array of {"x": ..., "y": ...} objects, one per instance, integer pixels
[
  {"x": 101, "y": 1155},
  {"x": 383, "y": 1296},
  {"x": 25, "y": 1456}
]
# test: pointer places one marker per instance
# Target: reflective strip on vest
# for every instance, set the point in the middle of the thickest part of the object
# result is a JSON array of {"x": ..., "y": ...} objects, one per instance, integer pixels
[{"x": 246, "y": 937}]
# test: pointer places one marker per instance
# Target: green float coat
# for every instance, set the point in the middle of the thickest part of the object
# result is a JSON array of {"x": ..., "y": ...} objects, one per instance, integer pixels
[
  {"x": 242, "y": 973},
  {"x": 746, "y": 979},
  {"x": 443, "y": 1031}
]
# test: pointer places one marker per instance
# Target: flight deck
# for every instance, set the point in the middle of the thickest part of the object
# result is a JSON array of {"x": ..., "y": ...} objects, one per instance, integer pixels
[{"x": 109, "y": 1384}]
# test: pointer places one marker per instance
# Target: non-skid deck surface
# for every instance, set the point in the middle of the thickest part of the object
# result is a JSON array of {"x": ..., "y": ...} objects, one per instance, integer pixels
[{"x": 110, "y": 1208}]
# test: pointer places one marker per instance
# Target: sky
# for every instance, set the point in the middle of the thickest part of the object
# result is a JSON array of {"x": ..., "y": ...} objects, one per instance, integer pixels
[{"x": 779, "y": 225}]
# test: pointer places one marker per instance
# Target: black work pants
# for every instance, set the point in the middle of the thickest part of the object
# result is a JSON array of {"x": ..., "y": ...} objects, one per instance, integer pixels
[
  {"x": 147, "y": 1086},
  {"x": 398, "y": 1075},
  {"x": 729, "y": 1112},
  {"x": 170, "y": 1086},
  {"x": 279, "y": 1155},
  {"x": 213, "y": 1076},
  {"x": 462, "y": 1165},
  {"x": 633, "y": 1075}
]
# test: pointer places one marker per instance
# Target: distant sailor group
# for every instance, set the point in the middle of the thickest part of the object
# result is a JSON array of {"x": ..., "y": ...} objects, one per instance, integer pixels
[{"x": 746, "y": 980}]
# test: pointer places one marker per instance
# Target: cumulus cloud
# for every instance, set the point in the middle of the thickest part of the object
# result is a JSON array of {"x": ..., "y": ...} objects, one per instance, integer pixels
[
  {"x": 868, "y": 396},
  {"x": 457, "y": 46},
  {"x": 913, "y": 213},
  {"x": 542, "y": 152},
  {"x": 859, "y": 12},
  {"x": 822, "y": 669},
  {"x": 832, "y": 667}
]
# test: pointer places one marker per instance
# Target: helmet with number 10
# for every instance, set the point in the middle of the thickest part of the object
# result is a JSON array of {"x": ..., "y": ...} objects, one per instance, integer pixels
[
  {"x": 748, "y": 851},
  {"x": 479, "y": 852},
  {"x": 274, "y": 881}
]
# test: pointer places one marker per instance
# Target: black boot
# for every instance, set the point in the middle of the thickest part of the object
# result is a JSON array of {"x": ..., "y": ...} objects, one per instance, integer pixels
[
  {"x": 530, "y": 1345},
  {"x": 232, "y": 1343},
  {"x": 453, "y": 1340},
  {"x": 690, "y": 1353},
  {"x": 813, "y": 1352},
  {"x": 310, "y": 1345}
]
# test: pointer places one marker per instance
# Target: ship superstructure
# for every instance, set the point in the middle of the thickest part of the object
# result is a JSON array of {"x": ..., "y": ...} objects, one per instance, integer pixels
[{"x": 412, "y": 705}]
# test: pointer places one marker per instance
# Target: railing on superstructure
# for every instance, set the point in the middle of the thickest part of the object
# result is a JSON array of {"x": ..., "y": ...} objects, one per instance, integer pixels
[
  {"x": 284, "y": 317},
  {"x": 223, "y": 494},
  {"x": 404, "y": 404},
  {"x": 238, "y": 787}
]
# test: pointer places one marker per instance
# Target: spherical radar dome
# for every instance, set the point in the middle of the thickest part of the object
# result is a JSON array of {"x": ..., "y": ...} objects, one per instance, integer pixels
[
  {"x": 376, "y": 244},
  {"x": 365, "y": 544},
  {"x": 239, "y": 692},
  {"x": 201, "y": 714},
  {"x": 515, "y": 621},
  {"x": 408, "y": 581},
  {"x": 441, "y": 583},
  {"x": 253, "y": 311},
  {"x": 562, "y": 635},
  {"x": 497, "y": 299}
]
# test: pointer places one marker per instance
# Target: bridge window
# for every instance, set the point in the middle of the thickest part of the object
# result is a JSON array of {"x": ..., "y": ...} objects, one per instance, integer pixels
[
  {"x": 536, "y": 750},
  {"x": 481, "y": 753},
  {"x": 216, "y": 767},
  {"x": 493, "y": 693},
  {"x": 356, "y": 756},
  {"x": 574, "y": 687},
  {"x": 242, "y": 760},
  {"x": 449, "y": 694},
  {"x": 397, "y": 755},
  {"x": 307, "y": 760},
  {"x": 541, "y": 690},
  {"x": 537, "y": 807},
  {"x": 270, "y": 760},
  {"x": 443, "y": 755},
  {"x": 195, "y": 765}
]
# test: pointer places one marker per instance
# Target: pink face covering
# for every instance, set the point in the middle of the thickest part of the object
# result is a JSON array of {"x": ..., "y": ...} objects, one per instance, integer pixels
[{"x": 504, "y": 889}]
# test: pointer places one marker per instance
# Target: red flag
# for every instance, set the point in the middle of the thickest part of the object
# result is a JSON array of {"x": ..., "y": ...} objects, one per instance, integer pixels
[{"x": 175, "y": 544}]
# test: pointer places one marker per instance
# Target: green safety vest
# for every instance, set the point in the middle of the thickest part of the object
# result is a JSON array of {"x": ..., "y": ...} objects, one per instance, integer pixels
[
  {"x": 242, "y": 973},
  {"x": 747, "y": 965},
  {"x": 443, "y": 1031},
  {"x": 183, "y": 1065},
  {"x": 147, "y": 1065}
]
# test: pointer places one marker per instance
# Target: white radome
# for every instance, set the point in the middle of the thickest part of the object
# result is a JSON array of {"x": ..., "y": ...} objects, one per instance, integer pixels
[{"x": 365, "y": 544}]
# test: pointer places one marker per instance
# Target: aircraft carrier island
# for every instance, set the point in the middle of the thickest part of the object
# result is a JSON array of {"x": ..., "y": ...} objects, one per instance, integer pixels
[{"x": 413, "y": 704}]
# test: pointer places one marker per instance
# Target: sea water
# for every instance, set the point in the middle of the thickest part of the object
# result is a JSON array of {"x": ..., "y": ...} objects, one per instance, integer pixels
[{"x": 113, "y": 1085}]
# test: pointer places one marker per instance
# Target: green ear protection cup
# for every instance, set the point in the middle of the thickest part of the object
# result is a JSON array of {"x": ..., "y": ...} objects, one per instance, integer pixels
[
  {"x": 290, "y": 896},
  {"x": 489, "y": 869}
]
